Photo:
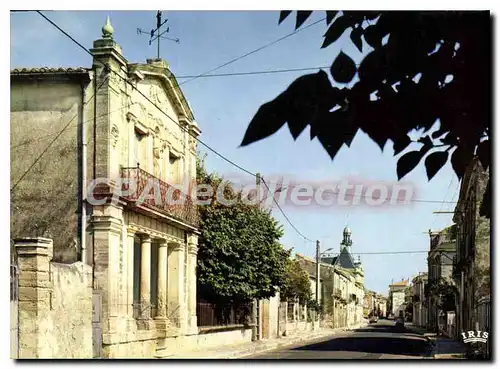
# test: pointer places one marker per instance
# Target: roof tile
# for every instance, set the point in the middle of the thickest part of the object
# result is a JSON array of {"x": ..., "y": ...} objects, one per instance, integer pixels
[{"x": 42, "y": 70}]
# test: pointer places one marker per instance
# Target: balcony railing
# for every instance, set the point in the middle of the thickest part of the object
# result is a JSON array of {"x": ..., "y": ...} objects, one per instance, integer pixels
[{"x": 169, "y": 201}]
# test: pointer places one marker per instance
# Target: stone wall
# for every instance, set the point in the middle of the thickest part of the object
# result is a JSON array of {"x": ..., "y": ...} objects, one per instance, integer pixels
[
  {"x": 42, "y": 109},
  {"x": 55, "y": 304}
]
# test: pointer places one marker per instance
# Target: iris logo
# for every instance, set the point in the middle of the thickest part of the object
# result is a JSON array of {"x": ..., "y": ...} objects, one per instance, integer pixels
[{"x": 475, "y": 336}]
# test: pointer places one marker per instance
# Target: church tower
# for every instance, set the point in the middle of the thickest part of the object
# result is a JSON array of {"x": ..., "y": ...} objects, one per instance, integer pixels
[{"x": 346, "y": 241}]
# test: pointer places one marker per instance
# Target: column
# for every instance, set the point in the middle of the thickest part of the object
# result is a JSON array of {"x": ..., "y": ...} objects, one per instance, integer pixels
[
  {"x": 130, "y": 273},
  {"x": 145, "y": 289},
  {"x": 161, "y": 313},
  {"x": 107, "y": 234},
  {"x": 191, "y": 278},
  {"x": 35, "y": 288},
  {"x": 175, "y": 280}
]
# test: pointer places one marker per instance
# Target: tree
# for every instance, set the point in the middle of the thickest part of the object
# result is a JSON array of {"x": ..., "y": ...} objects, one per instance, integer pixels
[
  {"x": 423, "y": 67},
  {"x": 444, "y": 291},
  {"x": 239, "y": 256},
  {"x": 297, "y": 283}
]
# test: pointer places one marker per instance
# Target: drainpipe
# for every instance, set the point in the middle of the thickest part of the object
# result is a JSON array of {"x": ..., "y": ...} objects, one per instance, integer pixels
[
  {"x": 94, "y": 72},
  {"x": 83, "y": 202}
]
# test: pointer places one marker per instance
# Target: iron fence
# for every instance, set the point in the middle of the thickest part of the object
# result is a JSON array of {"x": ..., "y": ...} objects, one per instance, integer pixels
[
  {"x": 484, "y": 320},
  {"x": 220, "y": 315}
]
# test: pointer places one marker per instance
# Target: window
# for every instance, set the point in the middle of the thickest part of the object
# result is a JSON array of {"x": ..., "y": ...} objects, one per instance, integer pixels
[
  {"x": 140, "y": 150},
  {"x": 174, "y": 163}
]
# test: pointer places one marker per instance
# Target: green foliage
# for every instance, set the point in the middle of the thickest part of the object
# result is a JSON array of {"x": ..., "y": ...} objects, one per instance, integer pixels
[
  {"x": 436, "y": 60},
  {"x": 297, "y": 283},
  {"x": 239, "y": 256},
  {"x": 313, "y": 305},
  {"x": 445, "y": 291}
]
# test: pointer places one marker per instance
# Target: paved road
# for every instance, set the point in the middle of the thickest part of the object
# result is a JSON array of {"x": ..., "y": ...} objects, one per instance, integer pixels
[{"x": 380, "y": 340}]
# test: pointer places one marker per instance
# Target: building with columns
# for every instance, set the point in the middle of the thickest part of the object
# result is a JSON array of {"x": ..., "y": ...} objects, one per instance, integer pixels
[{"x": 120, "y": 128}]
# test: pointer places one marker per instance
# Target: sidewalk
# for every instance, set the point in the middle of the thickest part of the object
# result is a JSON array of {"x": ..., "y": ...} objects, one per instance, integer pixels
[
  {"x": 255, "y": 348},
  {"x": 442, "y": 347},
  {"x": 448, "y": 348}
]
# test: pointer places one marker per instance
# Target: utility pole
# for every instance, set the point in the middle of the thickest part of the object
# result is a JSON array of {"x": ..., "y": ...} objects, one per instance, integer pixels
[
  {"x": 256, "y": 302},
  {"x": 318, "y": 260}
]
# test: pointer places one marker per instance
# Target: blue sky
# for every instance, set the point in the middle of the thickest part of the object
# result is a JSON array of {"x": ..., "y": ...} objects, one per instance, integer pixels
[{"x": 223, "y": 107}]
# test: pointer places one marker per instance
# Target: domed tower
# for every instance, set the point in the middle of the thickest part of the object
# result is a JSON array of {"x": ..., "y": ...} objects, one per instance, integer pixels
[{"x": 346, "y": 241}]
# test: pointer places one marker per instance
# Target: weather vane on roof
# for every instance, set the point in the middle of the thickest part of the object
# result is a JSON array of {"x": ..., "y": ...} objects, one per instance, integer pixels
[{"x": 156, "y": 34}]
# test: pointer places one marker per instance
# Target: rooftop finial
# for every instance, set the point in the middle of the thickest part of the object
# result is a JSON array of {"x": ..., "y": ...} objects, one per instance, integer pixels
[{"x": 107, "y": 29}]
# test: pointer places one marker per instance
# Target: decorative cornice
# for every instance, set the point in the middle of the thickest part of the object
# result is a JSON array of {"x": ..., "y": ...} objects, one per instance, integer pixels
[
  {"x": 106, "y": 223},
  {"x": 175, "y": 246},
  {"x": 153, "y": 233},
  {"x": 171, "y": 86}
]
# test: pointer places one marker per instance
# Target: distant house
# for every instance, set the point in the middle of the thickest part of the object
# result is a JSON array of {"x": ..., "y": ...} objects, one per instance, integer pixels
[
  {"x": 440, "y": 267},
  {"x": 419, "y": 300},
  {"x": 397, "y": 297},
  {"x": 345, "y": 261}
]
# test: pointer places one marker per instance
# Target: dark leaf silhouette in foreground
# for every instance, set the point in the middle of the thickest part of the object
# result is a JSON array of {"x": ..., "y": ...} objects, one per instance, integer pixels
[{"x": 424, "y": 67}]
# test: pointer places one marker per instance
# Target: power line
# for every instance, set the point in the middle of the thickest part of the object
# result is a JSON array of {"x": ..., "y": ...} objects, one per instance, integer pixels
[
  {"x": 206, "y": 74},
  {"x": 253, "y": 51},
  {"x": 255, "y": 72},
  {"x": 286, "y": 217},
  {"x": 182, "y": 128},
  {"x": 442, "y": 203},
  {"x": 383, "y": 252}
]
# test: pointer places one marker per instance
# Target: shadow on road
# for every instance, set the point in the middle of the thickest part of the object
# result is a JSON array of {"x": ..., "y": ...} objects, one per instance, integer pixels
[
  {"x": 388, "y": 329},
  {"x": 397, "y": 342},
  {"x": 374, "y": 345}
]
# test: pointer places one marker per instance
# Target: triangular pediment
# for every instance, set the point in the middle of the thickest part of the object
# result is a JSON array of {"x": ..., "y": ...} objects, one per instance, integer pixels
[{"x": 164, "y": 87}]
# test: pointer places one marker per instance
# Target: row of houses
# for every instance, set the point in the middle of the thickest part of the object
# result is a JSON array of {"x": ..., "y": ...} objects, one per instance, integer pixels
[
  {"x": 453, "y": 295},
  {"x": 375, "y": 304},
  {"x": 341, "y": 285}
]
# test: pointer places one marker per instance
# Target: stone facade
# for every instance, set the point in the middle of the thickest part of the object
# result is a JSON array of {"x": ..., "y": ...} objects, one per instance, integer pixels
[
  {"x": 55, "y": 304},
  {"x": 397, "y": 297},
  {"x": 419, "y": 300},
  {"x": 342, "y": 293},
  {"x": 471, "y": 269},
  {"x": 374, "y": 304},
  {"x": 143, "y": 255},
  {"x": 440, "y": 266},
  {"x": 48, "y": 103}
]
